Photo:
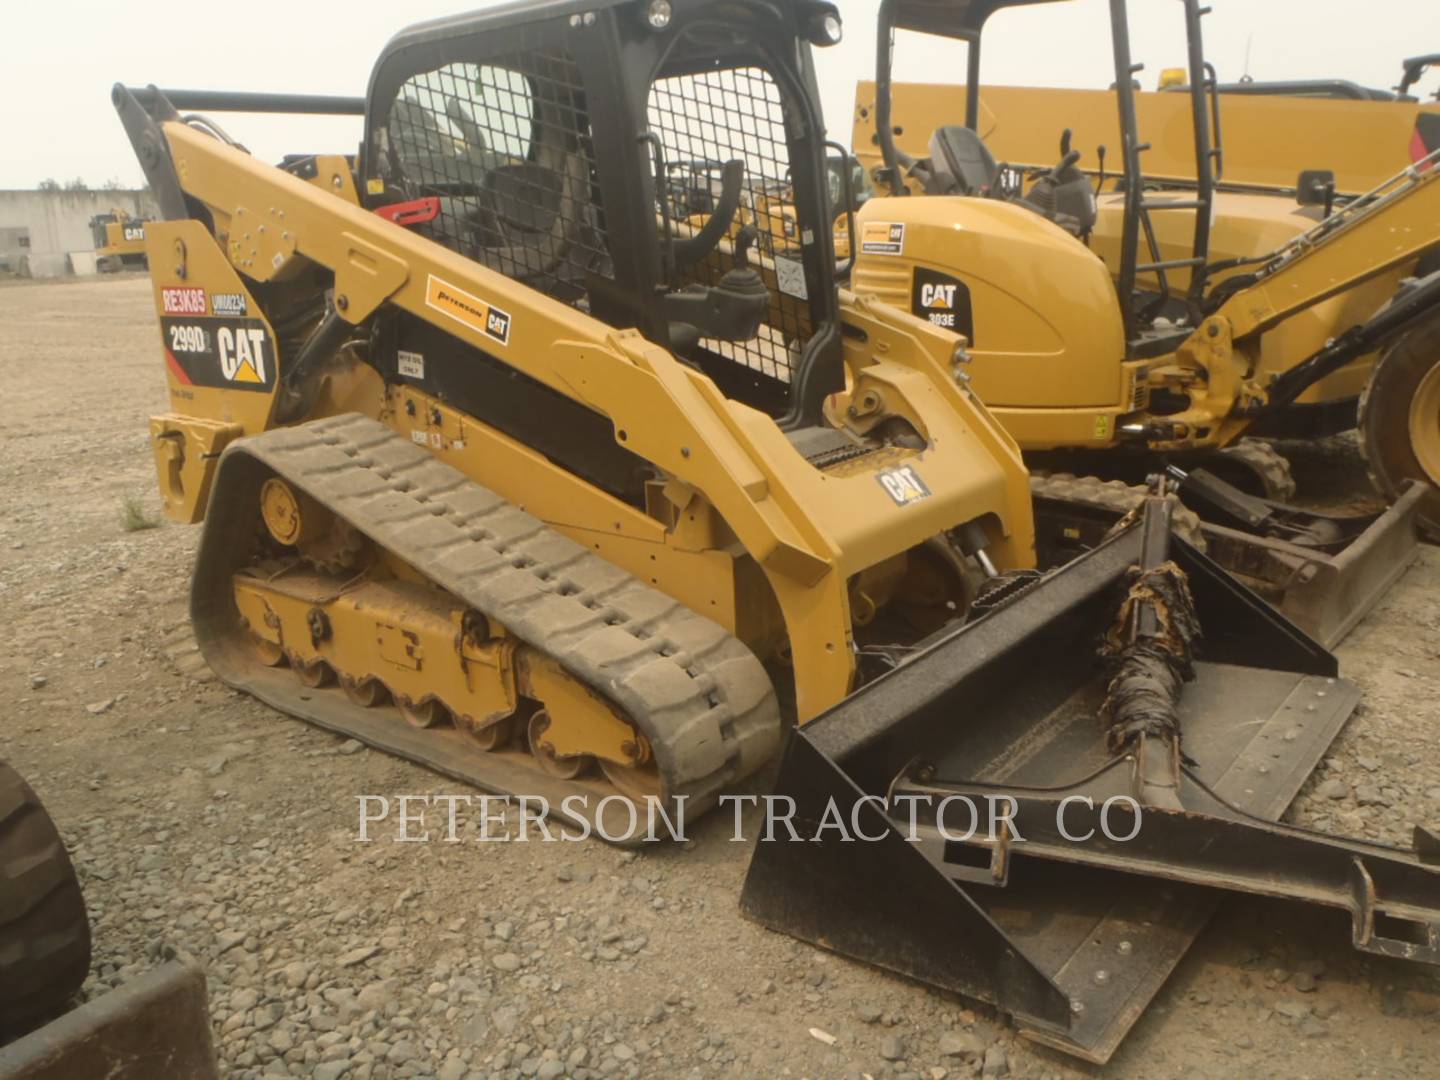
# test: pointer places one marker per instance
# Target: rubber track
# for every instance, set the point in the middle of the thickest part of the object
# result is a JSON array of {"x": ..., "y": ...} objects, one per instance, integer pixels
[
  {"x": 44, "y": 931},
  {"x": 1115, "y": 495},
  {"x": 700, "y": 696},
  {"x": 1268, "y": 463}
]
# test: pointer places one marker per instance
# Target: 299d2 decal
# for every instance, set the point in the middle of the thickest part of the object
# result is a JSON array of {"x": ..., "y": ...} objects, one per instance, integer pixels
[{"x": 230, "y": 354}]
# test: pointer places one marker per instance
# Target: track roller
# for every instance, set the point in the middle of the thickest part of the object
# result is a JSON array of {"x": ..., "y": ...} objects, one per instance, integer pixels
[
  {"x": 567, "y": 768},
  {"x": 425, "y": 714},
  {"x": 365, "y": 692}
]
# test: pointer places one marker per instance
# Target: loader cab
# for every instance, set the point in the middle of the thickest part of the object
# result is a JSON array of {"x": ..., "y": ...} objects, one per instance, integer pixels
[{"x": 532, "y": 151}]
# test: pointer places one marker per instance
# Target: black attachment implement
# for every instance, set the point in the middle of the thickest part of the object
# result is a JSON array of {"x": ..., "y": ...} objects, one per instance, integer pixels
[
  {"x": 1072, "y": 934},
  {"x": 1148, "y": 652},
  {"x": 1323, "y": 571}
]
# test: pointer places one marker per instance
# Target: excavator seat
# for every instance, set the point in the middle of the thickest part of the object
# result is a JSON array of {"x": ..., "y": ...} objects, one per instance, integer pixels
[{"x": 960, "y": 162}]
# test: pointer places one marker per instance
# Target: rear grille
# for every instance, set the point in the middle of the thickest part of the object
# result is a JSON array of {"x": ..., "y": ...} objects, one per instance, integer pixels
[{"x": 1140, "y": 392}]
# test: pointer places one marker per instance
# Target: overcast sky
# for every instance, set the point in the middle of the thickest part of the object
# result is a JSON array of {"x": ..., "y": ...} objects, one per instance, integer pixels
[{"x": 63, "y": 55}]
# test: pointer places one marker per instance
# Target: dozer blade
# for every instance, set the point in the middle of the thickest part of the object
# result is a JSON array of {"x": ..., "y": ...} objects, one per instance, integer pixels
[
  {"x": 156, "y": 1025},
  {"x": 1323, "y": 572},
  {"x": 1332, "y": 570},
  {"x": 1073, "y": 949}
]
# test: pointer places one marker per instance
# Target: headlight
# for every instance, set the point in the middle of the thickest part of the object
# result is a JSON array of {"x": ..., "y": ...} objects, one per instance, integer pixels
[
  {"x": 824, "y": 27},
  {"x": 657, "y": 14}
]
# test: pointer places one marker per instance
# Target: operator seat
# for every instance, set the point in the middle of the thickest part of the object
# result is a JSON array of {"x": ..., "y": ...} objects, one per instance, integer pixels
[
  {"x": 960, "y": 163},
  {"x": 532, "y": 222}
]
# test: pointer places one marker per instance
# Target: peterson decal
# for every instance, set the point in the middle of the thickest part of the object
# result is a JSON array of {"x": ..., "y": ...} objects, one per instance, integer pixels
[
  {"x": 943, "y": 300},
  {"x": 882, "y": 238},
  {"x": 903, "y": 485},
  {"x": 230, "y": 354},
  {"x": 467, "y": 308},
  {"x": 186, "y": 301}
]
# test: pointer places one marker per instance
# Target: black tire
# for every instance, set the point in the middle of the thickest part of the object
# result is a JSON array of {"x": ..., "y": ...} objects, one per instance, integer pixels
[
  {"x": 44, "y": 931},
  {"x": 1386, "y": 425}
]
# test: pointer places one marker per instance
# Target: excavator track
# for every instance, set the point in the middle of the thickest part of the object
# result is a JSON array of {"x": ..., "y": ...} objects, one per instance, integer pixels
[
  {"x": 1268, "y": 467},
  {"x": 697, "y": 694},
  {"x": 1112, "y": 495}
]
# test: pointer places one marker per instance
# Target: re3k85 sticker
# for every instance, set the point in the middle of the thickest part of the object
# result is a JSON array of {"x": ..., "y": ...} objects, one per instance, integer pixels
[{"x": 230, "y": 354}]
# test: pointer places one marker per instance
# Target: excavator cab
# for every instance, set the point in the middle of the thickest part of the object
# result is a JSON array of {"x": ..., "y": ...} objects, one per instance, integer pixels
[{"x": 959, "y": 162}]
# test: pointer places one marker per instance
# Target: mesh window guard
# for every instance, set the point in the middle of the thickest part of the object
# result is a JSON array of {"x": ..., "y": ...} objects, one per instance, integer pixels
[
  {"x": 505, "y": 145},
  {"x": 708, "y": 119}
]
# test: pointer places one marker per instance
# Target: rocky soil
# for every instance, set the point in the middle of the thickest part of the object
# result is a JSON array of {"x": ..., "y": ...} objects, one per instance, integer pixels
[{"x": 206, "y": 824}]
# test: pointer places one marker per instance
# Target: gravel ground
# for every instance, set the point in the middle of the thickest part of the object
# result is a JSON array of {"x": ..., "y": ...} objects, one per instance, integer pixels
[{"x": 205, "y": 823}]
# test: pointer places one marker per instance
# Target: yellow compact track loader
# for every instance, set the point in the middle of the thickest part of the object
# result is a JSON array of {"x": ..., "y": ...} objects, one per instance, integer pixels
[
  {"x": 506, "y": 470},
  {"x": 1080, "y": 342}
]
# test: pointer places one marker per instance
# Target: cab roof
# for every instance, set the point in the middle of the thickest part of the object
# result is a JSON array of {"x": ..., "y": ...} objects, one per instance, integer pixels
[{"x": 951, "y": 18}]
